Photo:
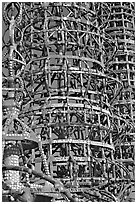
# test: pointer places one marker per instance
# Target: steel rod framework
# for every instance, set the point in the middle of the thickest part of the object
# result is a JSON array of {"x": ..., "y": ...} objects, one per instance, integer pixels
[{"x": 68, "y": 101}]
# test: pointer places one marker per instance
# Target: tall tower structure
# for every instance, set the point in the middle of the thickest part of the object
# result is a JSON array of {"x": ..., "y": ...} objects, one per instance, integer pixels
[
  {"x": 62, "y": 95},
  {"x": 121, "y": 27}
]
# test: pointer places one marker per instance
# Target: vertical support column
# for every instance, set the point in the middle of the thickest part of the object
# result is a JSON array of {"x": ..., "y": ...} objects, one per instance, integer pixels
[{"x": 11, "y": 157}]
